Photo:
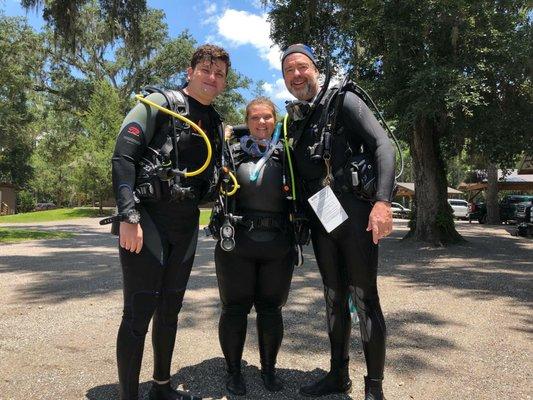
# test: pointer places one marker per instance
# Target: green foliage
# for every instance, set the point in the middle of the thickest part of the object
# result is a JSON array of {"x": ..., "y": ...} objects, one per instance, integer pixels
[
  {"x": 56, "y": 149},
  {"x": 259, "y": 90},
  {"x": 430, "y": 64},
  {"x": 407, "y": 174},
  {"x": 25, "y": 201},
  {"x": 67, "y": 98},
  {"x": 21, "y": 60},
  {"x": 501, "y": 127},
  {"x": 101, "y": 52},
  {"x": 62, "y": 16},
  {"x": 92, "y": 165},
  {"x": 227, "y": 103},
  {"x": 457, "y": 169}
]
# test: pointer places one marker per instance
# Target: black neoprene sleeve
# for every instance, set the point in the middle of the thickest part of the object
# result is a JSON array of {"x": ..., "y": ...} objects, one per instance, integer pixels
[
  {"x": 135, "y": 133},
  {"x": 359, "y": 120}
]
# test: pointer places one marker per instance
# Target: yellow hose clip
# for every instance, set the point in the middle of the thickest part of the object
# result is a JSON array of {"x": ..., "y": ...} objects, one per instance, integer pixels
[
  {"x": 236, "y": 185},
  {"x": 187, "y": 121}
]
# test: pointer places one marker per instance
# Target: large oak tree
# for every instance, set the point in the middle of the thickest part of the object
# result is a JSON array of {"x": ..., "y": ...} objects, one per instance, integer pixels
[{"x": 421, "y": 59}]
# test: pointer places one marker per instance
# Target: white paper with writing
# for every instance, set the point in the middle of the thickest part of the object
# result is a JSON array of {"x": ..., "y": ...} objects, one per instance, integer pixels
[{"x": 327, "y": 208}]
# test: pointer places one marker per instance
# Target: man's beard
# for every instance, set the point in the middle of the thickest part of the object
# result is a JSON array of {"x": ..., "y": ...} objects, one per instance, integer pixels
[{"x": 305, "y": 93}]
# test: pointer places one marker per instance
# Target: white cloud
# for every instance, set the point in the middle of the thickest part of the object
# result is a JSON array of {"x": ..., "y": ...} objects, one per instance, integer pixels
[
  {"x": 208, "y": 11},
  {"x": 212, "y": 39},
  {"x": 209, "y": 20},
  {"x": 244, "y": 28},
  {"x": 211, "y": 8},
  {"x": 278, "y": 91},
  {"x": 257, "y": 4},
  {"x": 267, "y": 87}
]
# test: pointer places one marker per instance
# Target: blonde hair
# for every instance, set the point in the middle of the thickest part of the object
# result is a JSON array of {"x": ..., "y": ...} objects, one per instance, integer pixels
[{"x": 264, "y": 101}]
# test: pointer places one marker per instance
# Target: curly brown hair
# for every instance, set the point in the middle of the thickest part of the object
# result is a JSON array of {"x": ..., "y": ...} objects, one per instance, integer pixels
[
  {"x": 261, "y": 100},
  {"x": 211, "y": 53}
]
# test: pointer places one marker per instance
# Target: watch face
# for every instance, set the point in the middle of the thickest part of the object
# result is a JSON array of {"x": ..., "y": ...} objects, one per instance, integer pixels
[{"x": 134, "y": 217}]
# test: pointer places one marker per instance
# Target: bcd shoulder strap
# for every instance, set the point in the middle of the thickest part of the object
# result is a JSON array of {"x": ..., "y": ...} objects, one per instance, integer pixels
[{"x": 176, "y": 100}]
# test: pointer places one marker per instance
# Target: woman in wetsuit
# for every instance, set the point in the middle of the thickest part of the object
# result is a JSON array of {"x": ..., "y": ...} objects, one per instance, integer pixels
[{"x": 258, "y": 271}]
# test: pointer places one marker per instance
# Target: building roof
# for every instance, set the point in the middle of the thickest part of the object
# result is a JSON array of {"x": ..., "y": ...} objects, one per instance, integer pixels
[
  {"x": 408, "y": 189},
  {"x": 511, "y": 180}
]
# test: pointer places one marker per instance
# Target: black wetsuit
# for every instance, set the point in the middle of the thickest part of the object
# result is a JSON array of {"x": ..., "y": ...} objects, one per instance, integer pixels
[
  {"x": 347, "y": 258},
  {"x": 155, "y": 279},
  {"x": 258, "y": 271}
]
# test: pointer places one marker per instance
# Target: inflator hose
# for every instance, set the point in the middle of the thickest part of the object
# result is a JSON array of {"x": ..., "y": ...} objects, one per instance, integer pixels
[{"x": 187, "y": 121}]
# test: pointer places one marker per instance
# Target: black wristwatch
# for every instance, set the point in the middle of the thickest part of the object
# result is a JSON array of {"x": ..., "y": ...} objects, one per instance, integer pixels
[{"x": 132, "y": 217}]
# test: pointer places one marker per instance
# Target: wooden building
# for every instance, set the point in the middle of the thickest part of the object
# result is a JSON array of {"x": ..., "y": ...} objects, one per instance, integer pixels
[
  {"x": 407, "y": 190},
  {"x": 514, "y": 180},
  {"x": 8, "y": 198}
]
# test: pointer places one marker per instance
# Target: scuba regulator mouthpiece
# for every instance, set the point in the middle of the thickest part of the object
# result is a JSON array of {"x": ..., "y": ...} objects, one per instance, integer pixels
[{"x": 260, "y": 164}]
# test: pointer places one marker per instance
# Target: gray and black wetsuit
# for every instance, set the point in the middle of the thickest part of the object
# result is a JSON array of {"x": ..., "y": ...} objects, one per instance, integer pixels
[
  {"x": 347, "y": 258},
  {"x": 258, "y": 271},
  {"x": 155, "y": 279}
]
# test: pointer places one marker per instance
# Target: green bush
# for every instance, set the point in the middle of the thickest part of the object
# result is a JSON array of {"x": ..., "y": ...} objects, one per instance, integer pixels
[{"x": 25, "y": 201}]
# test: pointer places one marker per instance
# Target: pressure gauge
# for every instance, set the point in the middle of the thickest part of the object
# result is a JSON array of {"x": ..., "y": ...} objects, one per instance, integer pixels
[
  {"x": 227, "y": 244},
  {"x": 227, "y": 233}
]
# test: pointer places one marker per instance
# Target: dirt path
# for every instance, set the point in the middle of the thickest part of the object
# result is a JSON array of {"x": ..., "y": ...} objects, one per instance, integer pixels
[{"x": 459, "y": 320}]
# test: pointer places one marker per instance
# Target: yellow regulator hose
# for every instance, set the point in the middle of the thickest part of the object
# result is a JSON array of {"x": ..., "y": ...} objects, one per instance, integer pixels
[
  {"x": 236, "y": 185},
  {"x": 195, "y": 127}
]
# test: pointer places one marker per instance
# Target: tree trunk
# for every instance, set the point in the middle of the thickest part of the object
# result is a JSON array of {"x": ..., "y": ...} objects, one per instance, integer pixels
[
  {"x": 433, "y": 216},
  {"x": 493, "y": 208},
  {"x": 59, "y": 193},
  {"x": 101, "y": 209}
]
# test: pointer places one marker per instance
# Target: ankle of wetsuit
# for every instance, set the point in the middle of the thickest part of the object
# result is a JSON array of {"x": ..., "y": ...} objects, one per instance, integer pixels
[{"x": 161, "y": 382}]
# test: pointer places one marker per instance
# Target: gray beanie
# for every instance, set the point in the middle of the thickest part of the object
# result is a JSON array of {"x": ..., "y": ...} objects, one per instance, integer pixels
[{"x": 299, "y": 48}]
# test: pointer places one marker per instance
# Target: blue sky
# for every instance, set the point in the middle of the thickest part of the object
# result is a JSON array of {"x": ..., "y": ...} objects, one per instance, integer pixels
[{"x": 239, "y": 26}]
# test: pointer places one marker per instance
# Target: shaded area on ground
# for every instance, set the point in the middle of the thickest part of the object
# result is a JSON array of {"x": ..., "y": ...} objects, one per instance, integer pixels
[
  {"x": 89, "y": 265},
  {"x": 490, "y": 274},
  {"x": 483, "y": 268},
  {"x": 199, "y": 380}
]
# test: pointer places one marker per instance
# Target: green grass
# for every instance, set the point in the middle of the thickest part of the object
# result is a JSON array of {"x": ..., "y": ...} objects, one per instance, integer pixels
[
  {"x": 54, "y": 215},
  {"x": 70, "y": 213},
  {"x": 19, "y": 235},
  {"x": 204, "y": 216}
]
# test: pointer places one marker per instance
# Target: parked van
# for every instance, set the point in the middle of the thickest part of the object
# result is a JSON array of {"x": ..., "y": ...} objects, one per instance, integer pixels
[{"x": 459, "y": 207}]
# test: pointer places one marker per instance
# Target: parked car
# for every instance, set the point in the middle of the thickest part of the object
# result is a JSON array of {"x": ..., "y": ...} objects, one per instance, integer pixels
[
  {"x": 521, "y": 210},
  {"x": 509, "y": 206},
  {"x": 459, "y": 207},
  {"x": 44, "y": 206},
  {"x": 525, "y": 219},
  {"x": 399, "y": 211}
]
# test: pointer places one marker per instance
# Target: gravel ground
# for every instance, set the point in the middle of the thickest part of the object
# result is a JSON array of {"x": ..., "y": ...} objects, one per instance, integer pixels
[{"x": 459, "y": 320}]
